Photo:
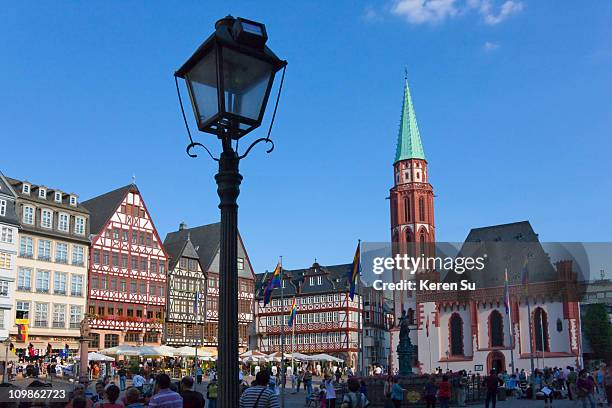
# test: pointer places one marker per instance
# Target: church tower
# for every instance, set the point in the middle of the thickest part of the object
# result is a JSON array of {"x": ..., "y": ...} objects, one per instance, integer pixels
[{"x": 412, "y": 209}]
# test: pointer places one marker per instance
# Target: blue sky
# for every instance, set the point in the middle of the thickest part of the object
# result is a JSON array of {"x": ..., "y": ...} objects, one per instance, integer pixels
[{"x": 512, "y": 99}]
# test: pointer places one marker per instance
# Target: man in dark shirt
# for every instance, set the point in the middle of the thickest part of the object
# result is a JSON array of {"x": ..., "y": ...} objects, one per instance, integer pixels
[
  {"x": 191, "y": 398},
  {"x": 492, "y": 382}
]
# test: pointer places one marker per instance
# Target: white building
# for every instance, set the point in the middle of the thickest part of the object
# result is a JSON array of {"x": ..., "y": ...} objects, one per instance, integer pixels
[{"x": 9, "y": 226}]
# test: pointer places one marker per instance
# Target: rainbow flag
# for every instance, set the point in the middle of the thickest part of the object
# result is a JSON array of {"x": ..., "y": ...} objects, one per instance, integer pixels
[
  {"x": 353, "y": 274},
  {"x": 274, "y": 282},
  {"x": 292, "y": 314}
]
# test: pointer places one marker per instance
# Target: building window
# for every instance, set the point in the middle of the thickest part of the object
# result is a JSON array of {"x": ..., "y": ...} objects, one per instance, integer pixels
[
  {"x": 61, "y": 252},
  {"x": 5, "y": 260},
  {"x": 59, "y": 316},
  {"x": 46, "y": 220},
  {"x": 58, "y": 197},
  {"x": 25, "y": 189},
  {"x": 24, "y": 279},
  {"x": 150, "y": 337},
  {"x": 76, "y": 285},
  {"x": 133, "y": 337},
  {"x": 59, "y": 283},
  {"x": 240, "y": 264},
  {"x": 41, "y": 315},
  {"x": 540, "y": 323},
  {"x": 111, "y": 340},
  {"x": 311, "y": 281},
  {"x": 42, "y": 192},
  {"x": 73, "y": 200},
  {"x": 407, "y": 209},
  {"x": 134, "y": 260},
  {"x": 26, "y": 247},
  {"x": 44, "y": 250},
  {"x": 4, "y": 288},
  {"x": 319, "y": 280},
  {"x": 421, "y": 209},
  {"x": 456, "y": 335},
  {"x": 124, "y": 260},
  {"x": 153, "y": 265},
  {"x": 143, "y": 264},
  {"x": 94, "y": 340},
  {"x": 78, "y": 255},
  {"x": 76, "y": 315},
  {"x": 122, "y": 286},
  {"x": 2, "y": 208},
  {"x": 133, "y": 287},
  {"x": 496, "y": 329},
  {"x": 79, "y": 225},
  {"x": 42, "y": 281},
  {"x": 115, "y": 259},
  {"x": 22, "y": 310},
  {"x": 28, "y": 215},
  {"x": 559, "y": 325},
  {"x": 63, "y": 222},
  {"x": 105, "y": 258}
]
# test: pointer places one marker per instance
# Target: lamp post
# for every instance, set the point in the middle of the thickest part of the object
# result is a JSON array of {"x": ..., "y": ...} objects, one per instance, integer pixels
[{"x": 229, "y": 79}]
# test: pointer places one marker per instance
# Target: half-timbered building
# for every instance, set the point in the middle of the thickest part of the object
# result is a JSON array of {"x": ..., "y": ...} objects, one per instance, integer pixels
[
  {"x": 127, "y": 273},
  {"x": 184, "y": 284},
  {"x": 327, "y": 320}
]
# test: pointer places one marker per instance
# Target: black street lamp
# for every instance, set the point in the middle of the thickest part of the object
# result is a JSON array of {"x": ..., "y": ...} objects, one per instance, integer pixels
[{"x": 229, "y": 79}]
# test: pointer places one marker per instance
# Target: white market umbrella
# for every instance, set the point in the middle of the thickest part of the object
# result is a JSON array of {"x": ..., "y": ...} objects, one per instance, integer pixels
[
  {"x": 93, "y": 356},
  {"x": 325, "y": 357}
]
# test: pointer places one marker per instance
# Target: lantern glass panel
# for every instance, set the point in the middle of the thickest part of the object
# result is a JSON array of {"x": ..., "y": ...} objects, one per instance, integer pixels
[
  {"x": 245, "y": 83},
  {"x": 202, "y": 80}
]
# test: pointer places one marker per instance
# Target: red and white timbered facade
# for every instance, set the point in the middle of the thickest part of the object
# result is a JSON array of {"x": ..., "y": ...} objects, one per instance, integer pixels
[
  {"x": 127, "y": 274},
  {"x": 327, "y": 320}
]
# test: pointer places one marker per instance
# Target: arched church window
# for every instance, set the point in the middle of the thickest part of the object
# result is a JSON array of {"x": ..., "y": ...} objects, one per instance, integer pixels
[
  {"x": 559, "y": 325},
  {"x": 422, "y": 244},
  {"x": 496, "y": 329},
  {"x": 409, "y": 236},
  {"x": 540, "y": 324},
  {"x": 421, "y": 209},
  {"x": 406, "y": 209},
  {"x": 456, "y": 335}
]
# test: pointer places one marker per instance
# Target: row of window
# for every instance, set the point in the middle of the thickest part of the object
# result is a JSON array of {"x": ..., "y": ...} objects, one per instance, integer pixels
[
  {"x": 5, "y": 260},
  {"x": 3, "y": 205},
  {"x": 308, "y": 300},
  {"x": 113, "y": 309},
  {"x": 307, "y": 338},
  {"x": 135, "y": 237},
  {"x": 43, "y": 280},
  {"x": 47, "y": 216},
  {"x": 44, "y": 251},
  {"x": 121, "y": 285},
  {"x": 42, "y": 193},
  {"x": 58, "y": 312},
  {"x": 125, "y": 261},
  {"x": 112, "y": 340},
  {"x": 302, "y": 318}
]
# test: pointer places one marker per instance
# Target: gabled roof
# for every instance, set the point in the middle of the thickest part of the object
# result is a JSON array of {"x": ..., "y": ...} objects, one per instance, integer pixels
[
  {"x": 206, "y": 241},
  {"x": 335, "y": 280},
  {"x": 6, "y": 190},
  {"x": 409, "y": 144},
  {"x": 102, "y": 207},
  {"x": 507, "y": 247},
  {"x": 179, "y": 249}
]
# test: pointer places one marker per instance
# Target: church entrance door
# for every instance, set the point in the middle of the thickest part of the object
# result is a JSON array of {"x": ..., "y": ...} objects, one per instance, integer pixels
[{"x": 496, "y": 361}]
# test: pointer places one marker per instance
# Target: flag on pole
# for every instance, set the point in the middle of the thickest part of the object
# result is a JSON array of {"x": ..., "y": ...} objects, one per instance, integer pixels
[
  {"x": 196, "y": 303},
  {"x": 353, "y": 274},
  {"x": 274, "y": 282},
  {"x": 506, "y": 292},
  {"x": 293, "y": 313}
]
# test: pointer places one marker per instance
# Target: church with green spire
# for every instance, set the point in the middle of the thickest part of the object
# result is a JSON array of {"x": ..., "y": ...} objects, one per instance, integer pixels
[{"x": 409, "y": 144}]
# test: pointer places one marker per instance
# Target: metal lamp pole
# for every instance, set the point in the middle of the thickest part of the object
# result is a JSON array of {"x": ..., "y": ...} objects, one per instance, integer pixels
[{"x": 228, "y": 188}]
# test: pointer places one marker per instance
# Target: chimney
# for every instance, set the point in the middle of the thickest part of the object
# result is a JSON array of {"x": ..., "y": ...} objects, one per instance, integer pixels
[{"x": 182, "y": 226}]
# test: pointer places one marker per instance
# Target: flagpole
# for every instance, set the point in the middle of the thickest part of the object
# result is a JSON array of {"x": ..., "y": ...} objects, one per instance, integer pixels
[
  {"x": 542, "y": 335},
  {"x": 509, "y": 316},
  {"x": 282, "y": 375}
]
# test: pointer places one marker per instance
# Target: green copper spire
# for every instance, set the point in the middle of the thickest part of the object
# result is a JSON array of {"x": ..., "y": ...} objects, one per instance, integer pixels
[{"x": 408, "y": 141}]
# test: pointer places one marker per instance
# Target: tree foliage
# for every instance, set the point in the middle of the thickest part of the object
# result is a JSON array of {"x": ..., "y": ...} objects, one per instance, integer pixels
[{"x": 598, "y": 331}]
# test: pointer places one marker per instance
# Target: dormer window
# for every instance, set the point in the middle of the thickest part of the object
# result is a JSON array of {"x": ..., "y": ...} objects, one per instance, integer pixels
[
  {"x": 283, "y": 283},
  {"x": 42, "y": 192},
  {"x": 58, "y": 197},
  {"x": 73, "y": 200},
  {"x": 25, "y": 189},
  {"x": 311, "y": 281},
  {"x": 319, "y": 280}
]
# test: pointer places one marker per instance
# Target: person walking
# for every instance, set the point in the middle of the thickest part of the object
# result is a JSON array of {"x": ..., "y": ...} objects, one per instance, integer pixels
[
  {"x": 354, "y": 398},
  {"x": 308, "y": 382},
  {"x": 191, "y": 398},
  {"x": 211, "y": 393},
  {"x": 198, "y": 372},
  {"x": 122, "y": 377},
  {"x": 492, "y": 382},
  {"x": 429, "y": 391},
  {"x": 259, "y": 395},
  {"x": 330, "y": 391},
  {"x": 165, "y": 397},
  {"x": 585, "y": 389},
  {"x": 397, "y": 393},
  {"x": 444, "y": 392}
]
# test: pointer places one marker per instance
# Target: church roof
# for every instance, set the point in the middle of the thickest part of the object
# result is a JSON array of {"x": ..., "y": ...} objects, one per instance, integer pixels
[
  {"x": 512, "y": 247},
  {"x": 409, "y": 144},
  {"x": 178, "y": 248}
]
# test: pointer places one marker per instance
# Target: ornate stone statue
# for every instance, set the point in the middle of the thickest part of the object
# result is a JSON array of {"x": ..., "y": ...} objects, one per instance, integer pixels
[
  {"x": 85, "y": 330},
  {"x": 404, "y": 348}
]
